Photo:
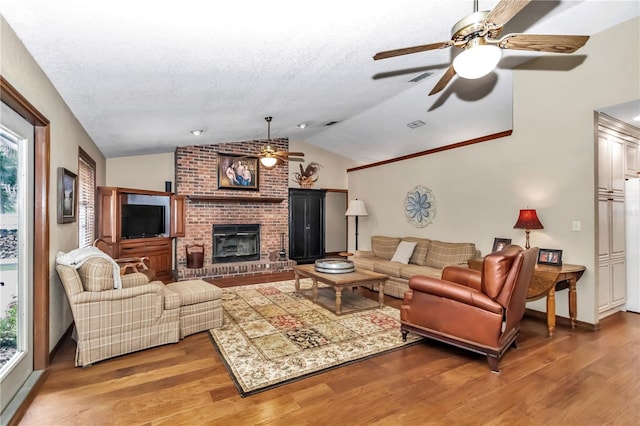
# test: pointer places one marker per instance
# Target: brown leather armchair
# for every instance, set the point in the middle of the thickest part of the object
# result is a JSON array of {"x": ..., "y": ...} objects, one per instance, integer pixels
[{"x": 476, "y": 310}]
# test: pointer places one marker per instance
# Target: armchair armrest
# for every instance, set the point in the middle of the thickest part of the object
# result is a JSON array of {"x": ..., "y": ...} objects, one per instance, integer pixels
[
  {"x": 135, "y": 279},
  {"x": 154, "y": 289},
  {"x": 454, "y": 291},
  {"x": 464, "y": 276},
  {"x": 118, "y": 294}
]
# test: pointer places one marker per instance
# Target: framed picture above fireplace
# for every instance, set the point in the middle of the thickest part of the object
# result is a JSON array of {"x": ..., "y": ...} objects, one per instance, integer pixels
[{"x": 238, "y": 172}]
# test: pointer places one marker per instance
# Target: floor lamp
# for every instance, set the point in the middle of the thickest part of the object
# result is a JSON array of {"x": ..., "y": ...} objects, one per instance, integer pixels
[{"x": 356, "y": 209}]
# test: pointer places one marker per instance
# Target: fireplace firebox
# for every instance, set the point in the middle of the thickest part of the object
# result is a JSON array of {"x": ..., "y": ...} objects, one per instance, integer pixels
[{"x": 236, "y": 243}]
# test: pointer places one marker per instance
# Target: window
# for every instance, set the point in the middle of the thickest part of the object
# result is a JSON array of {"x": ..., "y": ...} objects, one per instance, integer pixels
[{"x": 86, "y": 199}]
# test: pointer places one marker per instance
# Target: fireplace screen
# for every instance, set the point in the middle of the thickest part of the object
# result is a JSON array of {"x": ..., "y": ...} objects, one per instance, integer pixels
[{"x": 236, "y": 243}]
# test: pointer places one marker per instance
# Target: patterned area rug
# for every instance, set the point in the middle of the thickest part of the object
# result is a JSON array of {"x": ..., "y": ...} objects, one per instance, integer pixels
[{"x": 272, "y": 336}]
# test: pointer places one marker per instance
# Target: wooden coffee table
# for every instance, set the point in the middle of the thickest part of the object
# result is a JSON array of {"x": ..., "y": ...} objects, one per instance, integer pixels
[{"x": 339, "y": 282}]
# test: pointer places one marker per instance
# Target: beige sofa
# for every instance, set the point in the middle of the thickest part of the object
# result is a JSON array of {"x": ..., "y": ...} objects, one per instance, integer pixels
[{"x": 428, "y": 258}]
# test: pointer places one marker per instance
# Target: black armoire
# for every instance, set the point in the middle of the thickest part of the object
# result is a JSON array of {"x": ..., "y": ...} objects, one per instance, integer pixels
[{"x": 306, "y": 224}]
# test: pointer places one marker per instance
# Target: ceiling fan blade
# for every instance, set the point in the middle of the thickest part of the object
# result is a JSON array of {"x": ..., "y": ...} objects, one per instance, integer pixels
[
  {"x": 295, "y": 159},
  {"x": 444, "y": 80},
  {"x": 503, "y": 12},
  {"x": 414, "y": 49},
  {"x": 286, "y": 153},
  {"x": 543, "y": 43}
]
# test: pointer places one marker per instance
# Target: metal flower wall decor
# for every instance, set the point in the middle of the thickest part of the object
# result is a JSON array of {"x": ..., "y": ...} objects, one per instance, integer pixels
[{"x": 420, "y": 206}]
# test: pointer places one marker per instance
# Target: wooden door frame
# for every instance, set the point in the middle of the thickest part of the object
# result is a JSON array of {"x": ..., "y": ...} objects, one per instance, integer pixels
[{"x": 41, "y": 274}]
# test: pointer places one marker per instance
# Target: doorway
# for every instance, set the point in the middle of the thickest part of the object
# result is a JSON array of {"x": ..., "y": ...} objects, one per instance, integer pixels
[
  {"x": 16, "y": 252},
  {"x": 336, "y": 221}
]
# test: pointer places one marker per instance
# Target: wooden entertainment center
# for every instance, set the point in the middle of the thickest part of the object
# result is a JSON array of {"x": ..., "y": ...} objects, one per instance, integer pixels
[{"x": 158, "y": 248}]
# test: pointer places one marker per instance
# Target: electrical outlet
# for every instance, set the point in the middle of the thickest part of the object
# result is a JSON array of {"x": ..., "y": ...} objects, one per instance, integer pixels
[{"x": 576, "y": 225}]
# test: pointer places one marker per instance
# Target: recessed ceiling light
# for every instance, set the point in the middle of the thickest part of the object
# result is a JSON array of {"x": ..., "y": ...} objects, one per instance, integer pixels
[
  {"x": 636, "y": 118},
  {"x": 197, "y": 132},
  {"x": 302, "y": 125}
]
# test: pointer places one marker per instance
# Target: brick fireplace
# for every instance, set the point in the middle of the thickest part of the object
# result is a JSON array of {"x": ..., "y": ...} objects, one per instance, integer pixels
[{"x": 206, "y": 206}]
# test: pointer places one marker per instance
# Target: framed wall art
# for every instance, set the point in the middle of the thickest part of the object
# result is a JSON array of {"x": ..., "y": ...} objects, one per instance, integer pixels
[
  {"x": 550, "y": 257},
  {"x": 67, "y": 195},
  {"x": 238, "y": 172},
  {"x": 500, "y": 243}
]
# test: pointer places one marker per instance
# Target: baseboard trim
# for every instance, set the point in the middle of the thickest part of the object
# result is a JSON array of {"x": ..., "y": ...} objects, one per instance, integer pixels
[
  {"x": 17, "y": 408},
  {"x": 562, "y": 321}
]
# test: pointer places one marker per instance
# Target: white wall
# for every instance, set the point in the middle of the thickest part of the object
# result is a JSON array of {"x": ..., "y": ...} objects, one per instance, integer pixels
[
  {"x": 334, "y": 167},
  {"x": 148, "y": 172},
  {"x": 22, "y": 72},
  {"x": 546, "y": 164}
]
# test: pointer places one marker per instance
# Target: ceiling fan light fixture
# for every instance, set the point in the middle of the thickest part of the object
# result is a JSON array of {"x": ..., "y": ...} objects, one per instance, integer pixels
[
  {"x": 268, "y": 162},
  {"x": 477, "y": 61}
]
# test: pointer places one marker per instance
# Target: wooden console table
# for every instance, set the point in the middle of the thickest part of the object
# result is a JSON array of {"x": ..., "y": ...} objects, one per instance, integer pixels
[{"x": 546, "y": 281}]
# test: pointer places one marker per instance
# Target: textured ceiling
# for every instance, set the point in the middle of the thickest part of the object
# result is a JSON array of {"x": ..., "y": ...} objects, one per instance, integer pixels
[{"x": 139, "y": 75}]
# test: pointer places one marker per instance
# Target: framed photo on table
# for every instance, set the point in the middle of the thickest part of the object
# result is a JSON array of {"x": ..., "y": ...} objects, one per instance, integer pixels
[
  {"x": 550, "y": 257},
  {"x": 500, "y": 243},
  {"x": 67, "y": 195},
  {"x": 238, "y": 172}
]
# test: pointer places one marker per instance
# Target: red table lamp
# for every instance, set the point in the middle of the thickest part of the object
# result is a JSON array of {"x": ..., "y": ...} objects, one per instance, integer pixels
[{"x": 528, "y": 220}]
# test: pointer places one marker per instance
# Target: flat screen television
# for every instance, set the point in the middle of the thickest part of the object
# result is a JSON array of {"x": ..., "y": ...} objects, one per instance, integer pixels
[{"x": 142, "y": 221}]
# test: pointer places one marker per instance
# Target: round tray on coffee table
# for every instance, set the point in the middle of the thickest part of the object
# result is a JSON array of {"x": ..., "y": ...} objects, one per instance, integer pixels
[{"x": 334, "y": 266}]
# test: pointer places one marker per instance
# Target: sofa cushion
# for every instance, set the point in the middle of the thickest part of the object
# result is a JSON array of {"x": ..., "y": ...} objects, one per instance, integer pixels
[
  {"x": 442, "y": 254},
  {"x": 419, "y": 256},
  {"x": 384, "y": 247},
  {"x": 387, "y": 267},
  {"x": 96, "y": 274},
  {"x": 407, "y": 271},
  {"x": 403, "y": 252},
  {"x": 364, "y": 262}
]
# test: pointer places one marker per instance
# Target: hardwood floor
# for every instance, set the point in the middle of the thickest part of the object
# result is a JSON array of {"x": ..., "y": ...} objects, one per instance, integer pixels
[{"x": 576, "y": 378}]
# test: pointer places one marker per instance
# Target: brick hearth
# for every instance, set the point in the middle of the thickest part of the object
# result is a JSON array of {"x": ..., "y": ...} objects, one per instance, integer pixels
[
  {"x": 219, "y": 270},
  {"x": 196, "y": 177}
]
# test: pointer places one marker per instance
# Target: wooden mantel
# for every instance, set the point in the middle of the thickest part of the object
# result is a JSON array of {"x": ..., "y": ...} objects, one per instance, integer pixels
[{"x": 227, "y": 199}]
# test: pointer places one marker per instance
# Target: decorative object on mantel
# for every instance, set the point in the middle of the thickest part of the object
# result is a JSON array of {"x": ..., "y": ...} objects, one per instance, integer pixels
[
  {"x": 269, "y": 157},
  {"x": 306, "y": 176},
  {"x": 420, "y": 206},
  {"x": 356, "y": 208},
  {"x": 528, "y": 220},
  {"x": 237, "y": 172}
]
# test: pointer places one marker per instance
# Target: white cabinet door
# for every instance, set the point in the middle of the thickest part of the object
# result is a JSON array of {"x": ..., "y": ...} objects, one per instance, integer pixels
[
  {"x": 603, "y": 229},
  {"x": 616, "y": 215},
  {"x": 616, "y": 151},
  {"x": 618, "y": 282},
  {"x": 631, "y": 159},
  {"x": 603, "y": 287}
]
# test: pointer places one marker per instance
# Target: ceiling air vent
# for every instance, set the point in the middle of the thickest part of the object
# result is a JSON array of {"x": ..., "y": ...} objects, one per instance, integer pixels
[
  {"x": 416, "y": 124},
  {"x": 420, "y": 77}
]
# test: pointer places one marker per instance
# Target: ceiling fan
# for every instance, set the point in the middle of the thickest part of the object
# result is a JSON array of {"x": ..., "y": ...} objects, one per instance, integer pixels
[
  {"x": 270, "y": 158},
  {"x": 477, "y": 35}
]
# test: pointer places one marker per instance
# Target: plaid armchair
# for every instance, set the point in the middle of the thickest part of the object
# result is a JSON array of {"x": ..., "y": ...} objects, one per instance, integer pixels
[{"x": 111, "y": 322}]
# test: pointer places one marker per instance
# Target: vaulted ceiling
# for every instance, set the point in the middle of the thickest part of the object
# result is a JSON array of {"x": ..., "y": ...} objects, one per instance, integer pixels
[{"x": 141, "y": 75}]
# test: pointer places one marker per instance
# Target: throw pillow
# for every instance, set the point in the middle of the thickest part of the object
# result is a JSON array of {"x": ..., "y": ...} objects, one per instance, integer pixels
[
  {"x": 403, "y": 252},
  {"x": 96, "y": 274}
]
